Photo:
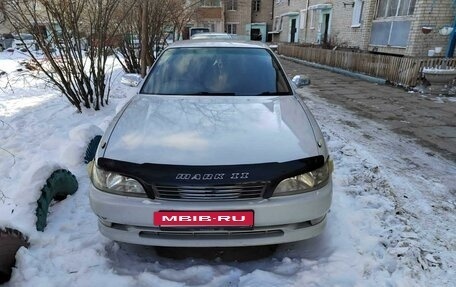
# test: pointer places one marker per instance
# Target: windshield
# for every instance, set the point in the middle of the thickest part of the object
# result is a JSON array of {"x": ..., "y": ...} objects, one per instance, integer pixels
[{"x": 216, "y": 71}]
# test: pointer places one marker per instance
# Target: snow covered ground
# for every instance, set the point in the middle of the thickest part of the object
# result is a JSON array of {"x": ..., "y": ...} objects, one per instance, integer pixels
[{"x": 392, "y": 221}]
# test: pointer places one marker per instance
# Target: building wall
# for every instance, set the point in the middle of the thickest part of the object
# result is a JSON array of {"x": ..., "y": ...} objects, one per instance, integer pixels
[
  {"x": 427, "y": 13},
  {"x": 241, "y": 16},
  {"x": 27, "y": 7},
  {"x": 432, "y": 13},
  {"x": 5, "y": 27},
  {"x": 312, "y": 26},
  {"x": 211, "y": 17},
  {"x": 342, "y": 31},
  {"x": 436, "y": 15},
  {"x": 282, "y": 7},
  {"x": 265, "y": 13},
  {"x": 369, "y": 9}
]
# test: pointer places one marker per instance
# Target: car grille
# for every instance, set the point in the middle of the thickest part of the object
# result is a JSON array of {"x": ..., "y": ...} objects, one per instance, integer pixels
[{"x": 208, "y": 193}]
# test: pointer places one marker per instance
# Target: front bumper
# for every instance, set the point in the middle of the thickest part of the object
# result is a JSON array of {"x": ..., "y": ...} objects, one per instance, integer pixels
[{"x": 277, "y": 219}]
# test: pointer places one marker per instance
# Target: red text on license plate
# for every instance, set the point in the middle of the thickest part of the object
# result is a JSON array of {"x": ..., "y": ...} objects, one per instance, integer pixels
[{"x": 204, "y": 218}]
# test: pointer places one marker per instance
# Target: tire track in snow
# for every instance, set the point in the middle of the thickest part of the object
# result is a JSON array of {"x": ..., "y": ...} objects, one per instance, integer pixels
[{"x": 376, "y": 163}]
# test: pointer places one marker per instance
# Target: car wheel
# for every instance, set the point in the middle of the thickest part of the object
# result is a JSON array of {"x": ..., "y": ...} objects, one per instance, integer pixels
[
  {"x": 92, "y": 149},
  {"x": 58, "y": 186},
  {"x": 10, "y": 241}
]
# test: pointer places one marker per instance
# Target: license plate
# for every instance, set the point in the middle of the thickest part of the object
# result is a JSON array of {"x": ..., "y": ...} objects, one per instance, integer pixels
[{"x": 204, "y": 218}]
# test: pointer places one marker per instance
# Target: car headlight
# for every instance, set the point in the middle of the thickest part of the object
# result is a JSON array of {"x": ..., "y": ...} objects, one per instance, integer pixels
[
  {"x": 305, "y": 182},
  {"x": 115, "y": 183}
]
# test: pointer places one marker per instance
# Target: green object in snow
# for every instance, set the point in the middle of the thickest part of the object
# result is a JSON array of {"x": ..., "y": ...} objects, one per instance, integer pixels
[
  {"x": 60, "y": 184},
  {"x": 92, "y": 149}
]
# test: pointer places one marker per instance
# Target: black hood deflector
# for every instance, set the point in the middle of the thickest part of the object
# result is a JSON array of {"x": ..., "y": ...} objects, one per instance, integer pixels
[{"x": 179, "y": 175}]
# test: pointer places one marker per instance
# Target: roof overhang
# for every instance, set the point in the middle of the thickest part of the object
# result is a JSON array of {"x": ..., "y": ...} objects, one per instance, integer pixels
[
  {"x": 320, "y": 7},
  {"x": 290, "y": 14}
]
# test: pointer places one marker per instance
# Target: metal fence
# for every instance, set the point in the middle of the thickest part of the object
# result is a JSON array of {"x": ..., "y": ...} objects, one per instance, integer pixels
[{"x": 403, "y": 71}]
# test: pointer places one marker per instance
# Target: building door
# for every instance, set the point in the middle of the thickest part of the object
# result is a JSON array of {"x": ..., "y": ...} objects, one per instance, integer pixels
[
  {"x": 325, "y": 28},
  {"x": 323, "y": 36},
  {"x": 293, "y": 30},
  {"x": 255, "y": 35},
  {"x": 257, "y": 31}
]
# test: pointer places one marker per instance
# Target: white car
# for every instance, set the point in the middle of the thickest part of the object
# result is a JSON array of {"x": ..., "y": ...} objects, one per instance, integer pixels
[
  {"x": 215, "y": 150},
  {"x": 23, "y": 41}
]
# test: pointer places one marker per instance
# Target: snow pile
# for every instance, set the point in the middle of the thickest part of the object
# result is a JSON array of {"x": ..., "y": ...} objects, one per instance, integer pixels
[
  {"x": 439, "y": 70},
  {"x": 391, "y": 223}
]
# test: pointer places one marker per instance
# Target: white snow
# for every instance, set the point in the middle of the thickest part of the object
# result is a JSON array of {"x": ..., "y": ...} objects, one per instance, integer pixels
[
  {"x": 392, "y": 221},
  {"x": 439, "y": 70}
]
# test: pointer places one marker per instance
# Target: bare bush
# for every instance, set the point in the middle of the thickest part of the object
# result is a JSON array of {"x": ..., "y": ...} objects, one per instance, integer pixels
[
  {"x": 146, "y": 28},
  {"x": 62, "y": 30}
]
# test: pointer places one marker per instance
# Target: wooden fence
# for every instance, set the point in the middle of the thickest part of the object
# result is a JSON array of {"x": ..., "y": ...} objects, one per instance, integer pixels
[{"x": 403, "y": 71}]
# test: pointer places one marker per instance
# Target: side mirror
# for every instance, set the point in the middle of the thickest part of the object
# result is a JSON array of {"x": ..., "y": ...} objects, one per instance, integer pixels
[
  {"x": 301, "y": 81},
  {"x": 274, "y": 47},
  {"x": 131, "y": 80}
]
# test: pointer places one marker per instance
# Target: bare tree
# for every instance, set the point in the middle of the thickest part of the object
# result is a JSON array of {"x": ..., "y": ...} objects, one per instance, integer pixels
[
  {"x": 2, "y": 12},
  {"x": 129, "y": 47},
  {"x": 151, "y": 22},
  {"x": 144, "y": 34},
  {"x": 183, "y": 14},
  {"x": 62, "y": 28}
]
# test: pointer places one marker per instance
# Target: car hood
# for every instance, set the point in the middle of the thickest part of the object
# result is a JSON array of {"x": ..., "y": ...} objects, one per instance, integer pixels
[{"x": 215, "y": 130}]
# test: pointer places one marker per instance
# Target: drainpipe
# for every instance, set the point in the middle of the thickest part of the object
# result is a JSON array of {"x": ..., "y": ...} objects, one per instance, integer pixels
[
  {"x": 452, "y": 42},
  {"x": 305, "y": 27}
]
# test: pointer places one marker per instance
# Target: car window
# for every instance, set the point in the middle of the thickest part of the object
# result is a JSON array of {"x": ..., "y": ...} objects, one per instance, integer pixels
[
  {"x": 24, "y": 37},
  {"x": 216, "y": 71}
]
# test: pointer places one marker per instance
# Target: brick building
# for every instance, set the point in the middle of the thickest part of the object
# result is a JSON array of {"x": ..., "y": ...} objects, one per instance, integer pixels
[
  {"x": 5, "y": 27},
  {"x": 249, "y": 18},
  {"x": 383, "y": 26}
]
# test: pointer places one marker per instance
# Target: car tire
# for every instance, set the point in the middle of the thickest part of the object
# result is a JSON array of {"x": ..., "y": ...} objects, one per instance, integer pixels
[
  {"x": 92, "y": 149},
  {"x": 58, "y": 186},
  {"x": 10, "y": 241}
]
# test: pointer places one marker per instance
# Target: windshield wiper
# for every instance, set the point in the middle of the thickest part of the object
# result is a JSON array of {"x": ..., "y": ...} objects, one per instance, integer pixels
[
  {"x": 273, "y": 93},
  {"x": 212, "y": 94}
]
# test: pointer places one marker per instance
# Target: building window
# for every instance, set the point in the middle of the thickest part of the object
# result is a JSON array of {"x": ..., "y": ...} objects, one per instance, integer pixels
[
  {"x": 210, "y": 3},
  {"x": 357, "y": 13},
  {"x": 256, "y": 5},
  {"x": 312, "y": 15},
  {"x": 231, "y": 28},
  {"x": 391, "y": 28},
  {"x": 393, "y": 8},
  {"x": 232, "y": 5},
  {"x": 302, "y": 21}
]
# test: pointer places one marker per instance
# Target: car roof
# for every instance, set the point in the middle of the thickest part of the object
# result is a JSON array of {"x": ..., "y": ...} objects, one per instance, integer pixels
[
  {"x": 217, "y": 43},
  {"x": 211, "y": 35}
]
